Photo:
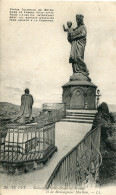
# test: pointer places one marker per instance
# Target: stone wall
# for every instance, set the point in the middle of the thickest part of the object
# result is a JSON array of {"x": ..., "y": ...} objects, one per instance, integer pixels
[{"x": 53, "y": 106}]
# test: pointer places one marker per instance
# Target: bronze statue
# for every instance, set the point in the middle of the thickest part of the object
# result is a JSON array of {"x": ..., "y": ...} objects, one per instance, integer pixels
[
  {"x": 25, "y": 114},
  {"x": 77, "y": 38},
  {"x": 26, "y": 104}
]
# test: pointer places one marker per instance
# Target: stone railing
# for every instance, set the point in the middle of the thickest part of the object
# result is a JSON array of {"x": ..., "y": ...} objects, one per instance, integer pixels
[{"x": 50, "y": 115}]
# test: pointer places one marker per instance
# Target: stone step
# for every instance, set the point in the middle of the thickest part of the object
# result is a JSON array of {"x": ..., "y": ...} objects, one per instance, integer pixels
[
  {"x": 77, "y": 120},
  {"x": 82, "y": 111},
  {"x": 79, "y": 113},
  {"x": 80, "y": 117}
]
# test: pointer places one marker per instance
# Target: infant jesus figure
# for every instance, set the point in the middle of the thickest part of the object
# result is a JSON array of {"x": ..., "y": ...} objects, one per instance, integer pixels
[{"x": 70, "y": 30}]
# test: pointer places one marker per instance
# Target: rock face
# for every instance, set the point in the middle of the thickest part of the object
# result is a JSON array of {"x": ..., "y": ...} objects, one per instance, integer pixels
[{"x": 107, "y": 172}]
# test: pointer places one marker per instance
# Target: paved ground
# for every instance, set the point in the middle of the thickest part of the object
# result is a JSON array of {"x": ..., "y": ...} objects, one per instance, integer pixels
[{"x": 67, "y": 136}]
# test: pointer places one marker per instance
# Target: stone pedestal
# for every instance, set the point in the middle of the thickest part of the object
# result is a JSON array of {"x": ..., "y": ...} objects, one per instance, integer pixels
[{"x": 79, "y": 92}]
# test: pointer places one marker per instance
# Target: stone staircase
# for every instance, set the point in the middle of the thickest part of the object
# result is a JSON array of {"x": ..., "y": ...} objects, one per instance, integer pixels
[{"x": 80, "y": 116}]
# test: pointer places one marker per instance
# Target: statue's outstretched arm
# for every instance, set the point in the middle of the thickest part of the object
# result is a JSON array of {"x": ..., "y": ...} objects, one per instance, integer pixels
[{"x": 65, "y": 29}]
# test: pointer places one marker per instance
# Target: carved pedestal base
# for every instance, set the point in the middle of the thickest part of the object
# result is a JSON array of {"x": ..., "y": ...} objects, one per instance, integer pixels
[{"x": 79, "y": 93}]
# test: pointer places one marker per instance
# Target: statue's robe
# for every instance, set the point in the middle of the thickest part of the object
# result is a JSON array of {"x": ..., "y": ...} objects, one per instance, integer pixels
[
  {"x": 78, "y": 43},
  {"x": 25, "y": 113},
  {"x": 26, "y": 105}
]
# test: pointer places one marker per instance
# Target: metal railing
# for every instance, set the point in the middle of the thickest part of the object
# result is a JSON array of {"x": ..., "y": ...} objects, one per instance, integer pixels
[
  {"x": 29, "y": 142},
  {"x": 26, "y": 143},
  {"x": 80, "y": 166}
]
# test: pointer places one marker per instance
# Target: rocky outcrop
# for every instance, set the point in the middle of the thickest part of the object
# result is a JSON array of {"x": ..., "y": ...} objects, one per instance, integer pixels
[{"x": 107, "y": 171}]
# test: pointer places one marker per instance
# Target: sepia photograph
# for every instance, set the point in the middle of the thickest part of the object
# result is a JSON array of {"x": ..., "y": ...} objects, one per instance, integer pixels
[{"x": 57, "y": 97}]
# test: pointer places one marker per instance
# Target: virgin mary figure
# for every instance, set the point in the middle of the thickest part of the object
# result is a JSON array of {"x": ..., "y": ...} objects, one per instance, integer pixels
[{"x": 77, "y": 38}]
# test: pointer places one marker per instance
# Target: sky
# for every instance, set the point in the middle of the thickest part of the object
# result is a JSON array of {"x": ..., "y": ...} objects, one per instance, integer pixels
[{"x": 35, "y": 55}]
